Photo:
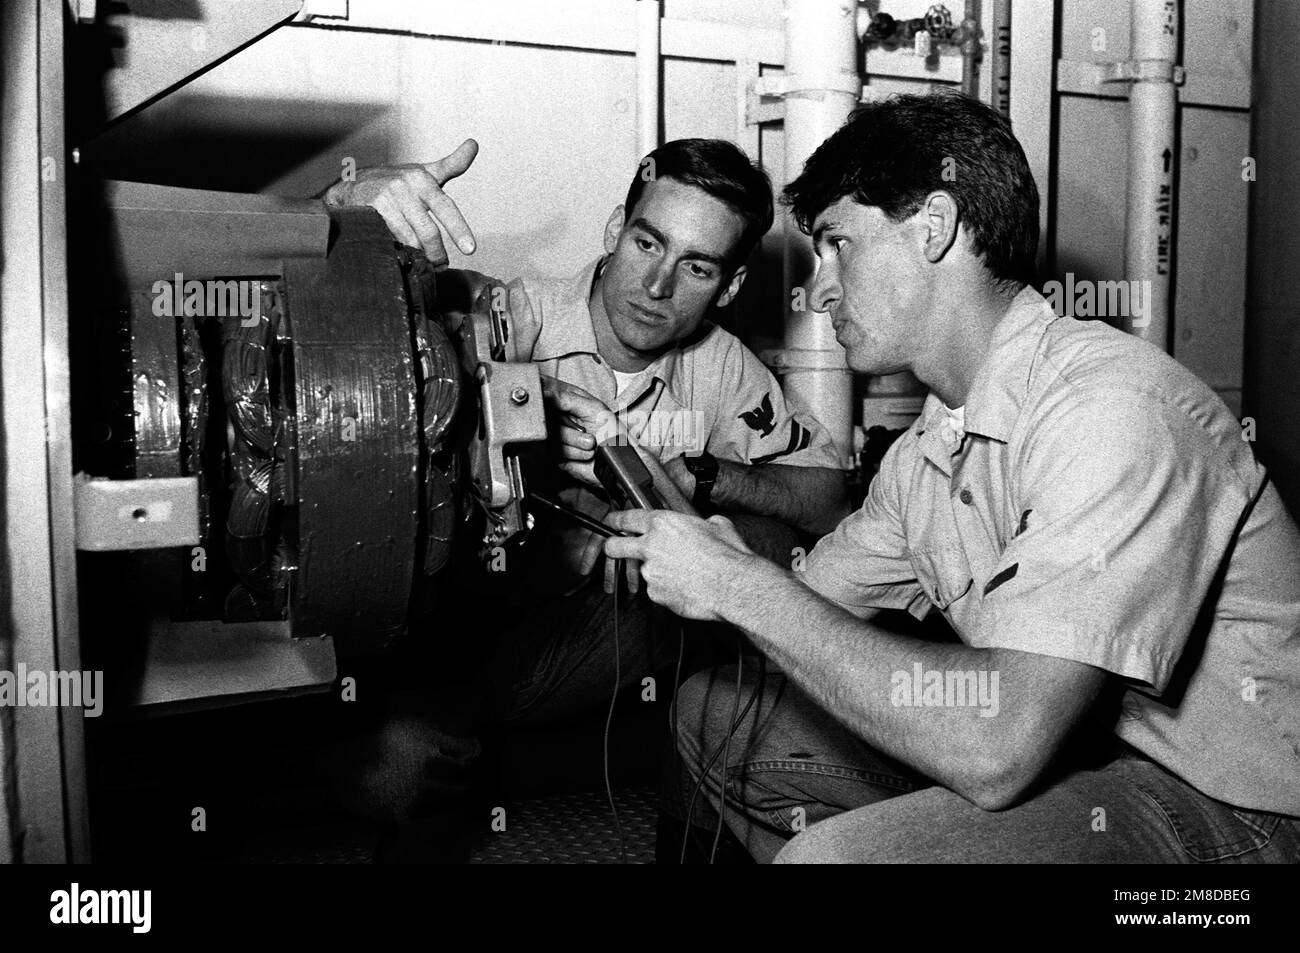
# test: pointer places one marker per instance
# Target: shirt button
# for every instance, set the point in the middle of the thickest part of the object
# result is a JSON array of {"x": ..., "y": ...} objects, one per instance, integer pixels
[{"x": 967, "y": 496}]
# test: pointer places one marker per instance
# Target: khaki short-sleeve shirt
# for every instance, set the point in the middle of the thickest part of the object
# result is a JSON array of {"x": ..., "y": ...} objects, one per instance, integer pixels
[
  {"x": 709, "y": 393},
  {"x": 1102, "y": 506}
]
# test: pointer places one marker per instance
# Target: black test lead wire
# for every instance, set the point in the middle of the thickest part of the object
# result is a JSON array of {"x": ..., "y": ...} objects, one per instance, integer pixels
[
  {"x": 726, "y": 751},
  {"x": 717, "y": 752},
  {"x": 609, "y": 720}
]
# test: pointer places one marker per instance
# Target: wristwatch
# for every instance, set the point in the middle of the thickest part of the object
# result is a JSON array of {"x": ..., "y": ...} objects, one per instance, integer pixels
[{"x": 704, "y": 467}]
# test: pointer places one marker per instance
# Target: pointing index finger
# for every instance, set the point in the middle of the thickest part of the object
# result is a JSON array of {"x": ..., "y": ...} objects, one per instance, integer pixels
[
  {"x": 439, "y": 204},
  {"x": 450, "y": 166}
]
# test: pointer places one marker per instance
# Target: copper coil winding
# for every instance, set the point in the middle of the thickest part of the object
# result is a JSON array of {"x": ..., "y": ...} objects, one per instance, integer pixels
[
  {"x": 440, "y": 509},
  {"x": 194, "y": 424},
  {"x": 246, "y": 525},
  {"x": 440, "y": 380},
  {"x": 245, "y": 379},
  {"x": 440, "y": 389}
]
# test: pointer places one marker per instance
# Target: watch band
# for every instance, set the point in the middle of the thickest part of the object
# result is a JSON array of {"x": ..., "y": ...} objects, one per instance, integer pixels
[{"x": 704, "y": 467}]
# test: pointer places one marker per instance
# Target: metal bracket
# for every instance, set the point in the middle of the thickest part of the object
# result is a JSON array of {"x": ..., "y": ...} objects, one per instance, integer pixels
[
  {"x": 511, "y": 412},
  {"x": 322, "y": 10},
  {"x": 765, "y": 95},
  {"x": 781, "y": 360},
  {"x": 763, "y": 100},
  {"x": 1141, "y": 71},
  {"x": 136, "y": 514},
  {"x": 1114, "y": 80},
  {"x": 83, "y": 11}
]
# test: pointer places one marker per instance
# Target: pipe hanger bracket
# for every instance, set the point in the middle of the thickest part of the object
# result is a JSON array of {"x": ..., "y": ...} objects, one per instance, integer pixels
[{"x": 1142, "y": 71}]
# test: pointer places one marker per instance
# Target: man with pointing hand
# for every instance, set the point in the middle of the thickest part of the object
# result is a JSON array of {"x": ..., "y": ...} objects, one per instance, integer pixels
[{"x": 630, "y": 336}]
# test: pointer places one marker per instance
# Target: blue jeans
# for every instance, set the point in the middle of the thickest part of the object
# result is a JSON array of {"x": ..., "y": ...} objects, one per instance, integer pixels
[{"x": 800, "y": 788}]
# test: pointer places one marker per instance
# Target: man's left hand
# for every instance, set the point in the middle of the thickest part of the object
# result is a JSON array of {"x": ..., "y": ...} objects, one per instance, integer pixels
[
  {"x": 412, "y": 202},
  {"x": 689, "y": 565}
]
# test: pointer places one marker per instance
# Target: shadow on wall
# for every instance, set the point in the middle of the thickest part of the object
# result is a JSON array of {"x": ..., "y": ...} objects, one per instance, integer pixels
[
  {"x": 6, "y": 648},
  {"x": 1072, "y": 275},
  {"x": 241, "y": 145},
  {"x": 10, "y": 54},
  {"x": 757, "y": 315}
]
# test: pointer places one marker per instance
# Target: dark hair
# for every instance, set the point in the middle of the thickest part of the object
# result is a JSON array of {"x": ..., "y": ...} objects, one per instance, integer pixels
[
  {"x": 892, "y": 153},
  {"x": 720, "y": 169}
]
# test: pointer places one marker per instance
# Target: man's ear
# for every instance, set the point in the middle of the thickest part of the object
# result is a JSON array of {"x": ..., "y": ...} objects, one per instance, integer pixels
[
  {"x": 613, "y": 228},
  {"x": 733, "y": 287},
  {"x": 941, "y": 219}
]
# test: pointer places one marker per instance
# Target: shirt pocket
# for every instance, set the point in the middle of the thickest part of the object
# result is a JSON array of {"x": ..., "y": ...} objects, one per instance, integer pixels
[{"x": 943, "y": 573}]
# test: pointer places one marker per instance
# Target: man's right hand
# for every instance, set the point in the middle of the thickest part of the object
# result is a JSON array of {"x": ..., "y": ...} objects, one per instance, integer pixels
[
  {"x": 582, "y": 419},
  {"x": 411, "y": 200}
]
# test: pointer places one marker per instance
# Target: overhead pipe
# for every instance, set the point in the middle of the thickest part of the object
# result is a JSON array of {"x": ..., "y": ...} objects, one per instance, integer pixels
[
  {"x": 822, "y": 85},
  {"x": 647, "y": 76},
  {"x": 1153, "y": 108}
]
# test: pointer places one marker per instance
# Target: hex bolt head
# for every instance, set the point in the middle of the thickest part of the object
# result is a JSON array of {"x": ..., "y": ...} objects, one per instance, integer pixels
[{"x": 519, "y": 396}]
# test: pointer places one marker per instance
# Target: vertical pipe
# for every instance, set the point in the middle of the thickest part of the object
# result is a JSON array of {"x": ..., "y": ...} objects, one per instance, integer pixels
[
  {"x": 647, "y": 76},
  {"x": 970, "y": 50},
  {"x": 1153, "y": 105},
  {"x": 823, "y": 85},
  {"x": 1001, "y": 78},
  {"x": 42, "y": 748}
]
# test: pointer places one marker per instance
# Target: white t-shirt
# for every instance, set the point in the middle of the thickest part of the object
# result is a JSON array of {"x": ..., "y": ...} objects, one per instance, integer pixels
[
  {"x": 956, "y": 420},
  {"x": 623, "y": 379}
]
